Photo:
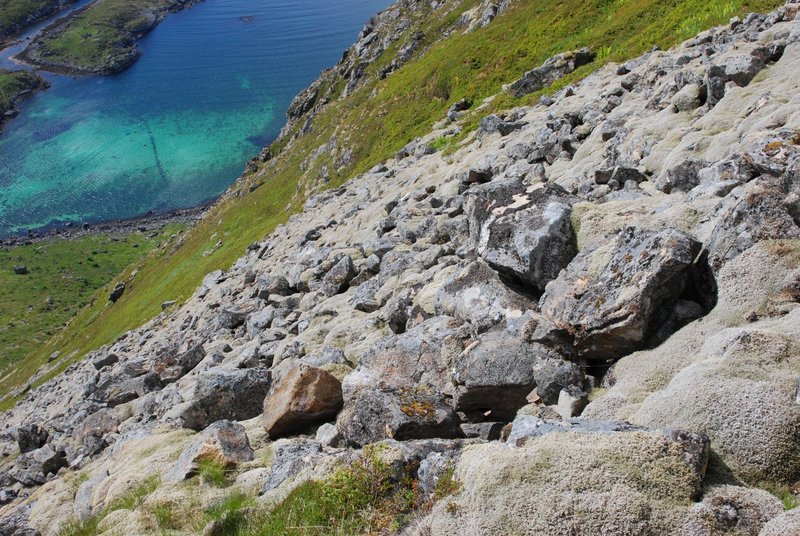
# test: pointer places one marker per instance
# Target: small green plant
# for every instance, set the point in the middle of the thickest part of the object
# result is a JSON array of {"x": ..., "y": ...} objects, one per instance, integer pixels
[
  {"x": 136, "y": 495},
  {"x": 86, "y": 527},
  {"x": 603, "y": 53},
  {"x": 446, "y": 485},
  {"x": 164, "y": 516},
  {"x": 440, "y": 143},
  {"x": 230, "y": 513},
  {"x": 212, "y": 472}
]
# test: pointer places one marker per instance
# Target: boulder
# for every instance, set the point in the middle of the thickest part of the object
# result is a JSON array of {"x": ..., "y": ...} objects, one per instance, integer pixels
[
  {"x": 611, "y": 298},
  {"x": 522, "y": 231},
  {"x": 117, "y": 292},
  {"x": 302, "y": 396},
  {"x": 338, "y": 278},
  {"x": 225, "y": 443},
  {"x": 401, "y": 414},
  {"x": 37, "y": 466},
  {"x": 731, "y": 509},
  {"x": 497, "y": 372},
  {"x": 551, "y": 70},
  {"x": 221, "y": 394},
  {"x": 291, "y": 457},
  {"x": 171, "y": 367},
  {"x": 785, "y": 524},
  {"x": 420, "y": 356},
  {"x": 579, "y": 483},
  {"x": 758, "y": 213},
  {"x": 31, "y": 437},
  {"x": 476, "y": 294},
  {"x": 21, "y": 270}
]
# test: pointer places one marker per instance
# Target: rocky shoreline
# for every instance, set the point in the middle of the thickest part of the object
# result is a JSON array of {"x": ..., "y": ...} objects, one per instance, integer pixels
[
  {"x": 7, "y": 34},
  {"x": 145, "y": 223},
  {"x": 29, "y": 85},
  {"x": 587, "y": 318}
]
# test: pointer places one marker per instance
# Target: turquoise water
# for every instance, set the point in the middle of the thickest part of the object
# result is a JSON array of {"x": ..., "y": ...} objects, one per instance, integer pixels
[{"x": 174, "y": 130}]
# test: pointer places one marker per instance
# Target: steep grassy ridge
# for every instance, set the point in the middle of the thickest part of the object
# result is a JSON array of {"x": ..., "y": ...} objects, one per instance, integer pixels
[{"x": 377, "y": 120}]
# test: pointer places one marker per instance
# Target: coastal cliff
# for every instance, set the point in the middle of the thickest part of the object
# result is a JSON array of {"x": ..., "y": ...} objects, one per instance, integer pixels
[{"x": 579, "y": 316}]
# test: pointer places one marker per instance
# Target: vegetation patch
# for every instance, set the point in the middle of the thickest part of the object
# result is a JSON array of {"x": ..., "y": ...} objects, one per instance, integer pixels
[{"x": 60, "y": 277}]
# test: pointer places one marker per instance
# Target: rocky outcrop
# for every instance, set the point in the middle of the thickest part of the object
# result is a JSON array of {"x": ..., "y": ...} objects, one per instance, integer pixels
[
  {"x": 224, "y": 444},
  {"x": 588, "y": 315}
]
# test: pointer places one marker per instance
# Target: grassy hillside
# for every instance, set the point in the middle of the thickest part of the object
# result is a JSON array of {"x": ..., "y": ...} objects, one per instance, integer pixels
[
  {"x": 376, "y": 121},
  {"x": 14, "y": 14},
  {"x": 62, "y": 277}
]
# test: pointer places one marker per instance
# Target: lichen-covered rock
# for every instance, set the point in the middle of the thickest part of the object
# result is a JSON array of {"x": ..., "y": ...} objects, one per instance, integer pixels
[
  {"x": 550, "y": 71},
  {"x": 611, "y": 298},
  {"x": 570, "y": 483},
  {"x": 302, "y": 396},
  {"x": 523, "y": 231},
  {"x": 731, "y": 510},
  {"x": 224, "y": 443},
  {"x": 225, "y": 394},
  {"x": 401, "y": 414},
  {"x": 498, "y": 371}
]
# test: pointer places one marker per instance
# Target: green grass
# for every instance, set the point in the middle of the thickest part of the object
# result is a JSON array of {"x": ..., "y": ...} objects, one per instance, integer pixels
[
  {"x": 96, "y": 37},
  {"x": 212, "y": 472},
  {"x": 377, "y": 120},
  {"x": 63, "y": 277},
  {"x": 15, "y": 14}
]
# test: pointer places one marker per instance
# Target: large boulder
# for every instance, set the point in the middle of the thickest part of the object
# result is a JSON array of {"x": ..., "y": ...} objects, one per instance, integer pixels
[
  {"x": 550, "y": 71},
  {"x": 498, "y": 371},
  {"x": 523, "y": 231},
  {"x": 37, "y": 466},
  {"x": 291, "y": 457},
  {"x": 401, "y": 414},
  {"x": 31, "y": 437},
  {"x": 221, "y": 394},
  {"x": 476, "y": 294},
  {"x": 581, "y": 483},
  {"x": 611, "y": 298},
  {"x": 224, "y": 443},
  {"x": 758, "y": 212},
  {"x": 420, "y": 356},
  {"x": 304, "y": 395},
  {"x": 171, "y": 366}
]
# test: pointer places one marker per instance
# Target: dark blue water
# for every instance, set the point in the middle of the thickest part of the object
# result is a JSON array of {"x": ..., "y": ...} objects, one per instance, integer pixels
[{"x": 174, "y": 130}]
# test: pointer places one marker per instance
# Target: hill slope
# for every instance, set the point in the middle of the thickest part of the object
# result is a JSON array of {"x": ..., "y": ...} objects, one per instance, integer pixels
[
  {"x": 582, "y": 318},
  {"x": 364, "y": 117}
]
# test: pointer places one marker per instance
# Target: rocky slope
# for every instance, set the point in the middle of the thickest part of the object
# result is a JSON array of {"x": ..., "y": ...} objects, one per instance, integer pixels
[
  {"x": 587, "y": 314},
  {"x": 16, "y": 86}
]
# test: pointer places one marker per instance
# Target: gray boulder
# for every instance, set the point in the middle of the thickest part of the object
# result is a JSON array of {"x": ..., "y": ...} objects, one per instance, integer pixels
[
  {"x": 401, "y": 414},
  {"x": 498, "y": 372},
  {"x": 37, "y": 466},
  {"x": 226, "y": 394},
  {"x": 611, "y": 298},
  {"x": 31, "y": 437},
  {"x": 291, "y": 457},
  {"x": 170, "y": 367},
  {"x": 522, "y": 231},
  {"x": 554, "y": 68},
  {"x": 225, "y": 443}
]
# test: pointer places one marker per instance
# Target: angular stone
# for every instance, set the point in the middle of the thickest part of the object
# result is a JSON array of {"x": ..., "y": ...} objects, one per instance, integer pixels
[
  {"x": 303, "y": 396},
  {"x": 524, "y": 232},
  {"x": 170, "y": 367},
  {"x": 401, "y": 414},
  {"x": 224, "y": 443},
  {"x": 31, "y": 437},
  {"x": 338, "y": 277},
  {"x": 226, "y": 394},
  {"x": 550, "y": 71},
  {"x": 291, "y": 457},
  {"x": 497, "y": 372},
  {"x": 612, "y": 298}
]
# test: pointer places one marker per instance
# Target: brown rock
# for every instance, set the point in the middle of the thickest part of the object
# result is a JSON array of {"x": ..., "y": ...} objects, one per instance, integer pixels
[{"x": 303, "y": 396}]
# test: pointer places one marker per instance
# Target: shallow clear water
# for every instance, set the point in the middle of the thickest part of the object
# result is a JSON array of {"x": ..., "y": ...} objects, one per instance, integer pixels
[{"x": 174, "y": 130}]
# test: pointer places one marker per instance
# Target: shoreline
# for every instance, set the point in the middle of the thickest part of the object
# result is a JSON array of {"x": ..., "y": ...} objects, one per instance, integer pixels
[
  {"x": 128, "y": 54},
  {"x": 69, "y": 231}
]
